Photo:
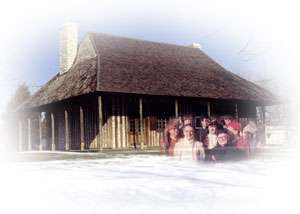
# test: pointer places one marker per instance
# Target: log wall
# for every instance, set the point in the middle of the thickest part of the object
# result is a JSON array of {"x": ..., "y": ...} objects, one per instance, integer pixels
[{"x": 114, "y": 121}]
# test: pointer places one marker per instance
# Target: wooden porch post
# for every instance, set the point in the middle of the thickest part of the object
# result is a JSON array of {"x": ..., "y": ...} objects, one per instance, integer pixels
[
  {"x": 47, "y": 131},
  {"x": 113, "y": 125},
  {"x": 263, "y": 108},
  {"x": 126, "y": 123},
  {"x": 236, "y": 111},
  {"x": 29, "y": 134},
  {"x": 40, "y": 133},
  {"x": 119, "y": 130},
  {"x": 141, "y": 122},
  {"x": 81, "y": 118},
  {"x": 176, "y": 107},
  {"x": 124, "y": 130},
  {"x": 208, "y": 109},
  {"x": 52, "y": 132},
  {"x": 67, "y": 145},
  {"x": 20, "y": 135},
  {"x": 100, "y": 119}
]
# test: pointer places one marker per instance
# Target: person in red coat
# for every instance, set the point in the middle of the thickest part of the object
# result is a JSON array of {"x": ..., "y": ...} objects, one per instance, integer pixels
[{"x": 241, "y": 141}]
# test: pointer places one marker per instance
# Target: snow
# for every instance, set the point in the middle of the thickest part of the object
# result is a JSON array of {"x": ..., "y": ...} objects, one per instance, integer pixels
[{"x": 149, "y": 184}]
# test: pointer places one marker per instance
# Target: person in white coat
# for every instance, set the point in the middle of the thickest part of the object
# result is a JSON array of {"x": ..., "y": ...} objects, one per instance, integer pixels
[{"x": 187, "y": 148}]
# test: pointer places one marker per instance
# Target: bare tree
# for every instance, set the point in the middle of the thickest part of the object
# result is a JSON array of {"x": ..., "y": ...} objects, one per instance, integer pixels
[{"x": 21, "y": 95}]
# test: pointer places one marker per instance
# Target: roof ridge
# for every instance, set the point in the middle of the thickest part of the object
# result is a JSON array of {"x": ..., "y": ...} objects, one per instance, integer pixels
[
  {"x": 142, "y": 40},
  {"x": 199, "y": 51}
]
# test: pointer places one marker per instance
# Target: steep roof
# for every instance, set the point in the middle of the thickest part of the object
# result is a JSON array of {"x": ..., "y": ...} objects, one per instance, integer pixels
[
  {"x": 81, "y": 80},
  {"x": 108, "y": 63}
]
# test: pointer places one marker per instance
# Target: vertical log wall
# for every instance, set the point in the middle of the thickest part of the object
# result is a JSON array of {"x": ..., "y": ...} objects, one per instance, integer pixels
[{"x": 114, "y": 121}]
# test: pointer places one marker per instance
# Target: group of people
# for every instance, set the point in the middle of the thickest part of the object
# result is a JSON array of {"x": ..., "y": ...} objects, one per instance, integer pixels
[{"x": 216, "y": 139}]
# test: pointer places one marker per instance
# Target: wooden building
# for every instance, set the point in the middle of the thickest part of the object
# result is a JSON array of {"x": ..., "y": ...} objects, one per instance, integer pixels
[{"x": 120, "y": 92}]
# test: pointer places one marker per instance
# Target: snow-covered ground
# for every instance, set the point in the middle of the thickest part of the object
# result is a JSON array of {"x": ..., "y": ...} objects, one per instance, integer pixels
[{"x": 150, "y": 184}]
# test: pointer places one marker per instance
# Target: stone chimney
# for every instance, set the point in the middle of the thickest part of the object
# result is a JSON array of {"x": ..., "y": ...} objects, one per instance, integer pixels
[{"x": 68, "y": 46}]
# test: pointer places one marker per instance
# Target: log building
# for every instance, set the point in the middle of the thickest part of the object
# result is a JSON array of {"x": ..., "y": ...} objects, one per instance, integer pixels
[{"x": 120, "y": 92}]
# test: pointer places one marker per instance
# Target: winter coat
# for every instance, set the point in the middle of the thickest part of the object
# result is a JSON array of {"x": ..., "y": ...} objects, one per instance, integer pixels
[{"x": 223, "y": 153}]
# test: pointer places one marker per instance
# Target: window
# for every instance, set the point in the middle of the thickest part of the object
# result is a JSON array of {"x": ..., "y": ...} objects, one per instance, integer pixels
[
  {"x": 134, "y": 124},
  {"x": 161, "y": 124}
]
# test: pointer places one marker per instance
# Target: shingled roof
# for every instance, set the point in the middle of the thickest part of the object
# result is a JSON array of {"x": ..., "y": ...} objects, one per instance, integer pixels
[{"x": 108, "y": 63}]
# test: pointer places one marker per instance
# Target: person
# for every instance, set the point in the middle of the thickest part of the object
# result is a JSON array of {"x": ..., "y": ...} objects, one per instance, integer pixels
[
  {"x": 240, "y": 141},
  {"x": 233, "y": 130},
  {"x": 210, "y": 140},
  {"x": 227, "y": 120},
  {"x": 185, "y": 120},
  {"x": 188, "y": 120},
  {"x": 171, "y": 136},
  {"x": 187, "y": 148},
  {"x": 203, "y": 130},
  {"x": 223, "y": 151},
  {"x": 243, "y": 143},
  {"x": 250, "y": 131}
]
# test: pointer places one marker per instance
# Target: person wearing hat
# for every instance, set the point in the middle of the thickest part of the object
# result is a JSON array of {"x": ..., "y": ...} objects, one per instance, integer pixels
[
  {"x": 227, "y": 120},
  {"x": 240, "y": 141},
  {"x": 234, "y": 127}
]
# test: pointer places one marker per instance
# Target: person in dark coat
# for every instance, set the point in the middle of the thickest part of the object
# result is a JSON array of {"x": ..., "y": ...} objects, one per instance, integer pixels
[
  {"x": 203, "y": 130},
  {"x": 210, "y": 140},
  {"x": 223, "y": 151}
]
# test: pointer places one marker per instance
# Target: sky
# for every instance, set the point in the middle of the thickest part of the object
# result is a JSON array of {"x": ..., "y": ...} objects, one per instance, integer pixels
[{"x": 254, "y": 39}]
